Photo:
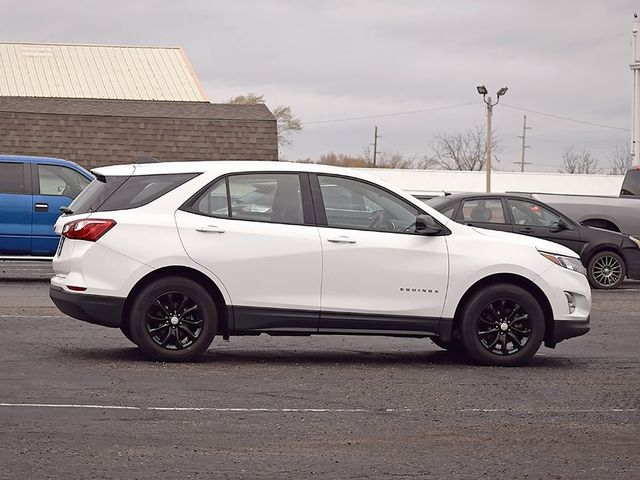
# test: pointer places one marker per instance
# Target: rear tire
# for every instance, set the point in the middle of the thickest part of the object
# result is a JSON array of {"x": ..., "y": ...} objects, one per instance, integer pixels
[
  {"x": 502, "y": 325},
  {"x": 173, "y": 319}
]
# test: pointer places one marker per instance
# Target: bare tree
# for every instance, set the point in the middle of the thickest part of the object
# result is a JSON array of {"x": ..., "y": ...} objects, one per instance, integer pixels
[
  {"x": 620, "y": 160},
  {"x": 460, "y": 150},
  {"x": 286, "y": 121},
  {"x": 582, "y": 162},
  {"x": 386, "y": 159},
  {"x": 342, "y": 160}
]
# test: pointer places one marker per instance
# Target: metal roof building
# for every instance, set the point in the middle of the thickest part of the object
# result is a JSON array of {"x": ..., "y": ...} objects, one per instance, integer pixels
[
  {"x": 104, "y": 105},
  {"x": 98, "y": 71}
]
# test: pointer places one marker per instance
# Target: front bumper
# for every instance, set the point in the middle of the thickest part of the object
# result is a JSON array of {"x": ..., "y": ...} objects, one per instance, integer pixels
[
  {"x": 632, "y": 261},
  {"x": 564, "y": 329},
  {"x": 98, "y": 309}
]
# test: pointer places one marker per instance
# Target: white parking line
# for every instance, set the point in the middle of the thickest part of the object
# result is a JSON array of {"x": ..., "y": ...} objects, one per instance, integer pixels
[{"x": 315, "y": 410}]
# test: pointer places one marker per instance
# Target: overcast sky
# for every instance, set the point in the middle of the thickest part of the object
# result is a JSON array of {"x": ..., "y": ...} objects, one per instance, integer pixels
[{"x": 336, "y": 60}]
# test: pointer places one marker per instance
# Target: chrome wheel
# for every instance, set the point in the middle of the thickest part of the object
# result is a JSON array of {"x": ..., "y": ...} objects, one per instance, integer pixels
[
  {"x": 174, "y": 321},
  {"x": 607, "y": 270},
  {"x": 504, "y": 327}
]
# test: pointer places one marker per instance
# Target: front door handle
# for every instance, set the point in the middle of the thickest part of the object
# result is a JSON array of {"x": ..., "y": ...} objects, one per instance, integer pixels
[
  {"x": 41, "y": 207},
  {"x": 525, "y": 230},
  {"x": 210, "y": 229},
  {"x": 341, "y": 239}
]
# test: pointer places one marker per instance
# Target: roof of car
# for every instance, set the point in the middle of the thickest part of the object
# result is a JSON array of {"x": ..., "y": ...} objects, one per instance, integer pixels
[
  {"x": 32, "y": 159},
  {"x": 459, "y": 196},
  {"x": 158, "y": 168}
]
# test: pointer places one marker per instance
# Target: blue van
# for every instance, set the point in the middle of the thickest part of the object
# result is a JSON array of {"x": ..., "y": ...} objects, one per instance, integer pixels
[{"x": 32, "y": 190}]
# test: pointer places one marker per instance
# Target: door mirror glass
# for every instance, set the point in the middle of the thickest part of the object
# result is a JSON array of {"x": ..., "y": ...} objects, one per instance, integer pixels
[{"x": 426, "y": 225}]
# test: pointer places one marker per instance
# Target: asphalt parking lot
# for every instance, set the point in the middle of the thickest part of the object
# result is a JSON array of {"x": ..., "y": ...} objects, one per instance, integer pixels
[{"x": 78, "y": 401}]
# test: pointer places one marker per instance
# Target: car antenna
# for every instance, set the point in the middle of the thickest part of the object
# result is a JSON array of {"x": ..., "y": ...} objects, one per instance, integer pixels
[{"x": 446, "y": 194}]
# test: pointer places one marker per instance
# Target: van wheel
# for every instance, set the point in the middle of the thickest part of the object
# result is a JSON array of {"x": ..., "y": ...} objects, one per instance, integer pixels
[
  {"x": 502, "y": 325},
  {"x": 606, "y": 270},
  {"x": 173, "y": 319}
]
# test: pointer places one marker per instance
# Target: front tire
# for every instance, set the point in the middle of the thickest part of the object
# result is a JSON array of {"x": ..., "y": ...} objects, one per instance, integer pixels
[
  {"x": 606, "y": 270},
  {"x": 173, "y": 319},
  {"x": 502, "y": 325}
]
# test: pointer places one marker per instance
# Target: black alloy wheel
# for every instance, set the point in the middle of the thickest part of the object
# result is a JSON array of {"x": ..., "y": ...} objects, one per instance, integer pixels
[
  {"x": 606, "y": 270},
  {"x": 504, "y": 327},
  {"x": 173, "y": 319},
  {"x": 502, "y": 324}
]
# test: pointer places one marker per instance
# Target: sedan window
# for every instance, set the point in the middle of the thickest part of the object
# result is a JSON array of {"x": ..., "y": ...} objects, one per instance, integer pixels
[
  {"x": 529, "y": 213},
  {"x": 483, "y": 210}
]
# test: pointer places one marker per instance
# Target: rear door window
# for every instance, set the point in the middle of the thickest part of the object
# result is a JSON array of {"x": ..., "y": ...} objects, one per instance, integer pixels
[{"x": 266, "y": 197}]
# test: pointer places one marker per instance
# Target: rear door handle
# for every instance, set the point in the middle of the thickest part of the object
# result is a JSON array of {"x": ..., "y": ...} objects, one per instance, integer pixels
[
  {"x": 210, "y": 229},
  {"x": 341, "y": 239},
  {"x": 41, "y": 207}
]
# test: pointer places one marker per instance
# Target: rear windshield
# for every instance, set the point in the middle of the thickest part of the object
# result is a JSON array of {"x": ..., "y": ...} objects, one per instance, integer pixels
[
  {"x": 631, "y": 184},
  {"x": 122, "y": 193}
]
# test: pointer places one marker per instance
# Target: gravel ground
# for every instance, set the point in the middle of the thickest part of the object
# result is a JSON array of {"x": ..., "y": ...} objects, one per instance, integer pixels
[{"x": 78, "y": 401}]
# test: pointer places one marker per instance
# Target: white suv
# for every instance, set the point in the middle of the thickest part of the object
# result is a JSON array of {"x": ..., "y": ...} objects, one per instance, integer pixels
[{"x": 175, "y": 253}]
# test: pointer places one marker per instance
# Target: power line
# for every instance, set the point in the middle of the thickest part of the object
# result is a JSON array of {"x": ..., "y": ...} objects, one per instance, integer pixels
[
  {"x": 396, "y": 114},
  {"x": 585, "y": 122}
]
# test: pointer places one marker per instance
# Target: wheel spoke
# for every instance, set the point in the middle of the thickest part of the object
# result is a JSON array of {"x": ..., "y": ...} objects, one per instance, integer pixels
[
  {"x": 182, "y": 304},
  {"x": 488, "y": 332},
  {"x": 189, "y": 310},
  {"x": 519, "y": 319},
  {"x": 190, "y": 334},
  {"x": 516, "y": 340},
  {"x": 195, "y": 322},
  {"x": 157, "y": 329},
  {"x": 166, "y": 339},
  {"x": 164, "y": 309},
  {"x": 503, "y": 344}
]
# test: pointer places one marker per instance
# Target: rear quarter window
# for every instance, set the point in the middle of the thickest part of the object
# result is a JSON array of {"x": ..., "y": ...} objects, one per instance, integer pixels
[{"x": 124, "y": 193}]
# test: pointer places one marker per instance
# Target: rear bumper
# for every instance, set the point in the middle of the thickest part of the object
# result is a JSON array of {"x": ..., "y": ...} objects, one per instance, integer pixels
[
  {"x": 98, "y": 309},
  {"x": 564, "y": 329}
]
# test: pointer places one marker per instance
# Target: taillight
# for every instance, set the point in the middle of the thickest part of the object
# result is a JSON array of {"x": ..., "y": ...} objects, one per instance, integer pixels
[{"x": 89, "y": 229}]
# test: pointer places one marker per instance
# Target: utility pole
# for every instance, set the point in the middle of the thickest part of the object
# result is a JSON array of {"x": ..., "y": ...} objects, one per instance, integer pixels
[
  {"x": 375, "y": 145},
  {"x": 635, "y": 98},
  {"x": 524, "y": 144}
]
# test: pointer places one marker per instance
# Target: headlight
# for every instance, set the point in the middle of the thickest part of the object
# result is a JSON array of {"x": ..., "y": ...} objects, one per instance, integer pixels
[
  {"x": 570, "y": 263},
  {"x": 635, "y": 240}
]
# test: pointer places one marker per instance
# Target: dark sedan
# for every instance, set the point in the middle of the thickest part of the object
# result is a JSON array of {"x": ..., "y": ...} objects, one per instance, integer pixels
[{"x": 608, "y": 256}]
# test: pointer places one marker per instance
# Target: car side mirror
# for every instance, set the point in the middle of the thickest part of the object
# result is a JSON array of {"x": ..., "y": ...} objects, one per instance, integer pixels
[
  {"x": 559, "y": 227},
  {"x": 426, "y": 225}
]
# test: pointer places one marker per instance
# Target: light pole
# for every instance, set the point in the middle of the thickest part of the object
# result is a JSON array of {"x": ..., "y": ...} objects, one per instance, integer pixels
[{"x": 482, "y": 90}]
